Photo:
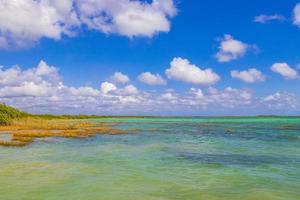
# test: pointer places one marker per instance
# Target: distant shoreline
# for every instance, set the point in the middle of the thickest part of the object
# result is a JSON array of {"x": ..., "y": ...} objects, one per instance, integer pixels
[{"x": 166, "y": 116}]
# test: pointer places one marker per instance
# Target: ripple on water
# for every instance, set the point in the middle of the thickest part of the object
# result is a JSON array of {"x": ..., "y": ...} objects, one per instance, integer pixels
[
  {"x": 237, "y": 159},
  {"x": 164, "y": 159}
]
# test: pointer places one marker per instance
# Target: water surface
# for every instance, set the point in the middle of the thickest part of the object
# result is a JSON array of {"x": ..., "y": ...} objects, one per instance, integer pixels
[{"x": 161, "y": 158}]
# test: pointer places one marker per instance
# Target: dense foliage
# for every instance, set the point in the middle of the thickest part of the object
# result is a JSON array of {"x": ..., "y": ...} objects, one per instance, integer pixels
[{"x": 7, "y": 114}]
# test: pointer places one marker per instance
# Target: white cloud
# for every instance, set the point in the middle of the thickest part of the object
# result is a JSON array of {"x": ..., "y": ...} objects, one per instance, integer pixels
[
  {"x": 273, "y": 97},
  {"x": 15, "y": 76},
  {"x": 41, "y": 90},
  {"x": 127, "y": 17},
  {"x": 24, "y": 22},
  {"x": 26, "y": 89},
  {"x": 231, "y": 49},
  {"x": 168, "y": 96},
  {"x": 151, "y": 79},
  {"x": 86, "y": 91},
  {"x": 266, "y": 18},
  {"x": 107, "y": 87},
  {"x": 130, "y": 90},
  {"x": 198, "y": 93},
  {"x": 119, "y": 77},
  {"x": 229, "y": 97},
  {"x": 282, "y": 101},
  {"x": 296, "y": 17},
  {"x": 214, "y": 100},
  {"x": 285, "y": 70},
  {"x": 182, "y": 70},
  {"x": 250, "y": 76},
  {"x": 38, "y": 81}
]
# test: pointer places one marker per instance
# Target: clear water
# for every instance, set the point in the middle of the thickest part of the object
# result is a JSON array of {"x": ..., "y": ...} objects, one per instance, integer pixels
[{"x": 164, "y": 158}]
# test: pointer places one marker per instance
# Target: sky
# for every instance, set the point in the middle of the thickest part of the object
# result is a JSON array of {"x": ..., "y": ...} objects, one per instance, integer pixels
[{"x": 154, "y": 57}]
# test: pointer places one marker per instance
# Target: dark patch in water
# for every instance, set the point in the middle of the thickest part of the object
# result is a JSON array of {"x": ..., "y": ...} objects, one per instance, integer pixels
[
  {"x": 288, "y": 127},
  {"x": 244, "y": 134},
  {"x": 237, "y": 159}
]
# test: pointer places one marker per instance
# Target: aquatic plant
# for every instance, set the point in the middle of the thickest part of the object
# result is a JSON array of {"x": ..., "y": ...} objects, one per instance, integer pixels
[{"x": 25, "y": 130}]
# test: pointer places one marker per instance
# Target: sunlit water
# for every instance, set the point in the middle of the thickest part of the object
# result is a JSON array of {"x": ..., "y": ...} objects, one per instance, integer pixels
[{"x": 169, "y": 158}]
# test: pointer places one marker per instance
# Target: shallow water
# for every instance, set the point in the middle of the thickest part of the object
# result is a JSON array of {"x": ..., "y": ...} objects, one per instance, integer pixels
[{"x": 163, "y": 158}]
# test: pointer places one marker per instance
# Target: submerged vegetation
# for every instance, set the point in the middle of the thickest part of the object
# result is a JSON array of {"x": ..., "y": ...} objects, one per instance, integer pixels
[
  {"x": 24, "y": 128},
  {"x": 18, "y": 128}
]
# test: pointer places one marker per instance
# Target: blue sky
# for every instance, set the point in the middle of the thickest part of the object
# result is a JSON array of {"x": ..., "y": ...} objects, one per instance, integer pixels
[{"x": 191, "y": 30}]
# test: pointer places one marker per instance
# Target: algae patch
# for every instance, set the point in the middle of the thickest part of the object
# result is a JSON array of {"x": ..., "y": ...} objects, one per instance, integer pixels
[{"x": 25, "y": 131}]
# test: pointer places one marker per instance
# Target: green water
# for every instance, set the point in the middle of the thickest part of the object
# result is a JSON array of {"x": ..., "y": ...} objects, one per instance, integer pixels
[{"x": 164, "y": 158}]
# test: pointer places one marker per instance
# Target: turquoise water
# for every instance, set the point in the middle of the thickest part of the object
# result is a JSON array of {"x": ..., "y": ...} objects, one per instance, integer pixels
[{"x": 162, "y": 158}]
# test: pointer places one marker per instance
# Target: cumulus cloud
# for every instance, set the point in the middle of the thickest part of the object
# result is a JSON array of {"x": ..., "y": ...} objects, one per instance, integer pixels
[
  {"x": 107, "y": 87},
  {"x": 182, "y": 70},
  {"x": 41, "y": 89},
  {"x": 169, "y": 96},
  {"x": 119, "y": 77},
  {"x": 282, "y": 101},
  {"x": 15, "y": 76},
  {"x": 229, "y": 97},
  {"x": 38, "y": 81},
  {"x": 211, "y": 100},
  {"x": 266, "y": 18},
  {"x": 296, "y": 15},
  {"x": 127, "y": 17},
  {"x": 26, "y": 89},
  {"x": 285, "y": 70},
  {"x": 250, "y": 76},
  {"x": 24, "y": 22},
  {"x": 273, "y": 97},
  {"x": 151, "y": 79},
  {"x": 130, "y": 90},
  {"x": 197, "y": 93},
  {"x": 231, "y": 49}
]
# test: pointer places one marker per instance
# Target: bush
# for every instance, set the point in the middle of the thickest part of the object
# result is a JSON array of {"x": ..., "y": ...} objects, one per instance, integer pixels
[
  {"x": 4, "y": 119},
  {"x": 7, "y": 114}
]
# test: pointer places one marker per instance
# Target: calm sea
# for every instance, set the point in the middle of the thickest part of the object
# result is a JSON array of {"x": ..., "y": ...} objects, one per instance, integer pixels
[{"x": 161, "y": 159}]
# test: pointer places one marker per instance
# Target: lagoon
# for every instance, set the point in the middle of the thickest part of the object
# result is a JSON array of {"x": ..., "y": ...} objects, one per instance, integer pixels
[{"x": 161, "y": 159}]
